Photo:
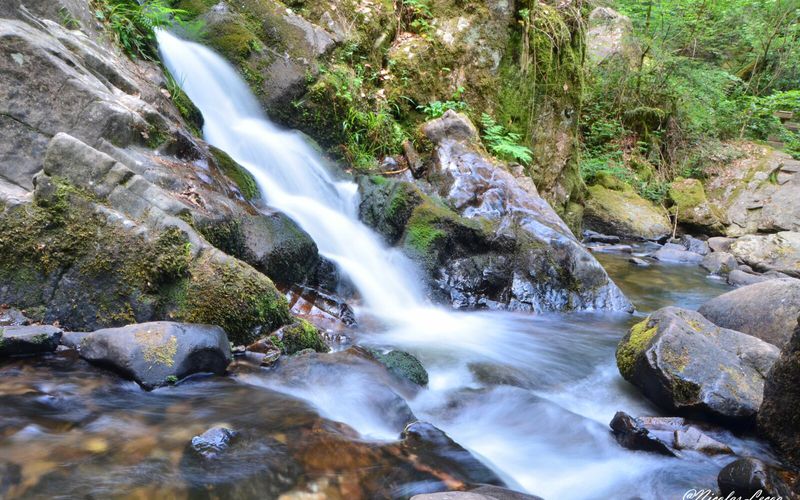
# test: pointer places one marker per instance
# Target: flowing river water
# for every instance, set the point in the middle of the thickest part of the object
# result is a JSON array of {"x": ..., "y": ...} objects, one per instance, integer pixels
[{"x": 531, "y": 396}]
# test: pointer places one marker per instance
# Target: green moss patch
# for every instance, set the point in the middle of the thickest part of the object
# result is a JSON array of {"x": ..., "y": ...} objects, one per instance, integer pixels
[
  {"x": 243, "y": 179},
  {"x": 299, "y": 336},
  {"x": 634, "y": 345},
  {"x": 234, "y": 296}
]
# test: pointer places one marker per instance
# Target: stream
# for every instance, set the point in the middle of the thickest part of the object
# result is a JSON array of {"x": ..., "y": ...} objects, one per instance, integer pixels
[{"x": 530, "y": 395}]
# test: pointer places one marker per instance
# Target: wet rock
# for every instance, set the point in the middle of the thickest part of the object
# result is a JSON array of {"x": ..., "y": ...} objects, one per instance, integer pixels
[
  {"x": 721, "y": 263},
  {"x": 695, "y": 245},
  {"x": 495, "y": 374},
  {"x": 494, "y": 242},
  {"x": 237, "y": 465},
  {"x": 10, "y": 476},
  {"x": 720, "y": 243},
  {"x": 159, "y": 353},
  {"x": 12, "y": 317},
  {"x": 773, "y": 252},
  {"x": 752, "y": 478},
  {"x": 632, "y": 434},
  {"x": 403, "y": 365},
  {"x": 687, "y": 365},
  {"x": 28, "y": 340},
  {"x": 778, "y": 418},
  {"x": 664, "y": 435},
  {"x": 636, "y": 261},
  {"x": 297, "y": 337},
  {"x": 213, "y": 442},
  {"x": 679, "y": 255},
  {"x": 739, "y": 277},
  {"x": 612, "y": 248},
  {"x": 594, "y": 237},
  {"x": 371, "y": 384},
  {"x": 432, "y": 446},
  {"x": 767, "y": 310},
  {"x": 625, "y": 213},
  {"x": 692, "y": 438}
]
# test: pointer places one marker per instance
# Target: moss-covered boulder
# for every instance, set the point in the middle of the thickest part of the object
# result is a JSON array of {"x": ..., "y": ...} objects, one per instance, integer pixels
[
  {"x": 687, "y": 365},
  {"x": 624, "y": 213},
  {"x": 690, "y": 205},
  {"x": 403, "y": 365},
  {"x": 387, "y": 205}
]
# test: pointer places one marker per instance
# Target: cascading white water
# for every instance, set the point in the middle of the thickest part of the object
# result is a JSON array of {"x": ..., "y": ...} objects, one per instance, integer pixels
[
  {"x": 549, "y": 435},
  {"x": 292, "y": 177}
]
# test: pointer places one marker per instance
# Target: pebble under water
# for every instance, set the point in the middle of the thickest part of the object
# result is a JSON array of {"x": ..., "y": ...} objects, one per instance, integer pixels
[{"x": 531, "y": 397}]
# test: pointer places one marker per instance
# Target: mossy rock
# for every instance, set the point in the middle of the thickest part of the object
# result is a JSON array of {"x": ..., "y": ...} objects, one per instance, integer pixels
[
  {"x": 387, "y": 205},
  {"x": 232, "y": 295},
  {"x": 298, "y": 337},
  {"x": 243, "y": 179},
  {"x": 633, "y": 345},
  {"x": 689, "y": 202},
  {"x": 403, "y": 365},
  {"x": 624, "y": 214},
  {"x": 63, "y": 250}
]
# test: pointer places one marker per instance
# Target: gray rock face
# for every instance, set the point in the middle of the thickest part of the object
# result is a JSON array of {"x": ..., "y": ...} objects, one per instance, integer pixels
[
  {"x": 738, "y": 277},
  {"x": 778, "y": 419},
  {"x": 27, "y": 340},
  {"x": 695, "y": 245},
  {"x": 610, "y": 36},
  {"x": 767, "y": 310},
  {"x": 757, "y": 194},
  {"x": 159, "y": 353},
  {"x": 721, "y": 263},
  {"x": 687, "y": 365},
  {"x": 774, "y": 252},
  {"x": 720, "y": 243},
  {"x": 480, "y": 190},
  {"x": 623, "y": 212},
  {"x": 752, "y": 478},
  {"x": 679, "y": 255}
]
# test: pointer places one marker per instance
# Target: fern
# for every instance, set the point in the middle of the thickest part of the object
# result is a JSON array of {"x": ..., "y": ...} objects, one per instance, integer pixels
[
  {"x": 134, "y": 24},
  {"x": 503, "y": 143}
]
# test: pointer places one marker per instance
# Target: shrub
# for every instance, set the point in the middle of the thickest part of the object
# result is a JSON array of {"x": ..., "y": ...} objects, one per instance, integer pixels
[{"x": 502, "y": 143}]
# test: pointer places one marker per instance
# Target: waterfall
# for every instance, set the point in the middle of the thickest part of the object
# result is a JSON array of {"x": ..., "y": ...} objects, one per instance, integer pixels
[{"x": 292, "y": 178}]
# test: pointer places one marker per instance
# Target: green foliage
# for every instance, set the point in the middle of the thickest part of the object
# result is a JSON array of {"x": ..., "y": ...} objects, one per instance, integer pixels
[
  {"x": 298, "y": 337},
  {"x": 133, "y": 24},
  {"x": 436, "y": 109},
  {"x": 502, "y": 143}
]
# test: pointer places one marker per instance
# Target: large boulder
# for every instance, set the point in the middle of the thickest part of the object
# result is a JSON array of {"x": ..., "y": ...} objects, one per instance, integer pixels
[
  {"x": 691, "y": 206},
  {"x": 610, "y": 36},
  {"x": 767, "y": 310},
  {"x": 773, "y": 252},
  {"x": 27, "y": 340},
  {"x": 624, "y": 213},
  {"x": 687, "y": 365},
  {"x": 756, "y": 193},
  {"x": 778, "y": 419},
  {"x": 488, "y": 241},
  {"x": 159, "y": 353}
]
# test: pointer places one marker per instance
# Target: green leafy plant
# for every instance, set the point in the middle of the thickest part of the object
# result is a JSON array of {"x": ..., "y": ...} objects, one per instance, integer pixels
[
  {"x": 503, "y": 143},
  {"x": 134, "y": 24},
  {"x": 436, "y": 109}
]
